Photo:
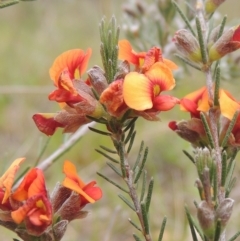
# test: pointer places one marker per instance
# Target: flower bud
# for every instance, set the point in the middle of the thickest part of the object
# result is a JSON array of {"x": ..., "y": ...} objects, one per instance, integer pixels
[
  {"x": 212, "y": 5},
  {"x": 187, "y": 45},
  {"x": 59, "y": 195},
  {"x": 66, "y": 204},
  {"x": 206, "y": 218},
  {"x": 224, "y": 211},
  {"x": 58, "y": 230},
  {"x": 227, "y": 43},
  {"x": 71, "y": 208},
  {"x": 123, "y": 69},
  {"x": 191, "y": 131},
  {"x": 97, "y": 79},
  {"x": 204, "y": 158}
]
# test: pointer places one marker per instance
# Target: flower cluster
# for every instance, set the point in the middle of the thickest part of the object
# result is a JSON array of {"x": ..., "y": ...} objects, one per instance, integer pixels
[
  {"x": 81, "y": 100},
  {"x": 198, "y": 102},
  {"x": 135, "y": 89},
  {"x": 30, "y": 211}
]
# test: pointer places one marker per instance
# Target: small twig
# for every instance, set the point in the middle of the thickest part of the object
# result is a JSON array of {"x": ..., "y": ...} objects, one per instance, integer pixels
[{"x": 45, "y": 164}]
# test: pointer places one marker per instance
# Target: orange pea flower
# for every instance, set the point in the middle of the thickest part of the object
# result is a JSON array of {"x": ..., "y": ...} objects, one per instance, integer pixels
[
  {"x": 75, "y": 61},
  {"x": 88, "y": 193},
  {"x": 7, "y": 179},
  {"x": 198, "y": 101},
  {"x": 36, "y": 210},
  {"x": 68, "y": 66},
  {"x": 142, "y": 60},
  {"x": 195, "y": 102},
  {"x": 126, "y": 52},
  {"x": 141, "y": 91},
  {"x": 112, "y": 98},
  {"x": 227, "y": 43},
  {"x": 75, "y": 96}
]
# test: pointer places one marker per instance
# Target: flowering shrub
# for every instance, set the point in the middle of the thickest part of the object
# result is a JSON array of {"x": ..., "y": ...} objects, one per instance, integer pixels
[{"x": 131, "y": 85}]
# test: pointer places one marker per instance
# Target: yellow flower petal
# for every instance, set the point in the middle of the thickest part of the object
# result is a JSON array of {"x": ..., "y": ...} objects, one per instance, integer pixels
[
  {"x": 137, "y": 91},
  {"x": 227, "y": 105},
  {"x": 203, "y": 104},
  {"x": 161, "y": 75},
  {"x": 70, "y": 171},
  {"x": 194, "y": 97},
  {"x": 7, "y": 179},
  {"x": 171, "y": 65},
  {"x": 127, "y": 53},
  {"x": 71, "y": 184}
]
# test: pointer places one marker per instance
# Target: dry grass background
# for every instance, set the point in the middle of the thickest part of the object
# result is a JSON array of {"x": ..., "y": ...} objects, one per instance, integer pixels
[{"x": 32, "y": 35}]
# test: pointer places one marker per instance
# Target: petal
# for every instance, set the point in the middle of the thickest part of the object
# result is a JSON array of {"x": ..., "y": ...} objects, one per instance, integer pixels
[
  {"x": 38, "y": 184},
  {"x": 171, "y": 65},
  {"x": 29, "y": 207},
  {"x": 228, "y": 105},
  {"x": 32, "y": 184},
  {"x": 62, "y": 95},
  {"x": 126, "y": 53},
  {"x": 152, "y": 56},
  {"x": 236, "y": 35},
  {"x": 19, "y": 215},
  {"x": 35, "y": 218},
  {"x": 196, "y": 95},
  {"x": 161, "y": 75},
  {"x": 73, "y": 60},
  {"x": 71, "y": 184},
  {"x": 7, "y": 179},
  {"x": 112, "y": 98},
  {"x": 203, "y": 103},
  {"x": 137, "y": 91},
  {"x": 45, "y": 123},
  {"x": 196, "y": 102},
  {"x": 93, "y": 192},
  {"x": 83, "y": 67},
  {"x": 173, "y": 125},
  {"x": 65, "y": 81},
  {"x": 70, "y": 171},
  {"x": 189, "y": 106},
  {"x": 164, "y": 102}
]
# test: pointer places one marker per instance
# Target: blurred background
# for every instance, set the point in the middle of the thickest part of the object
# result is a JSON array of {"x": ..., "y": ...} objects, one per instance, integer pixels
[{"x": 32, "y": 35}]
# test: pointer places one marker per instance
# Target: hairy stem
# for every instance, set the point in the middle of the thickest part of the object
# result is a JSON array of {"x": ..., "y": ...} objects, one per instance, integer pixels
[
  {"x": 129, "y": 179},
  {"x": 213, "y": 113}
]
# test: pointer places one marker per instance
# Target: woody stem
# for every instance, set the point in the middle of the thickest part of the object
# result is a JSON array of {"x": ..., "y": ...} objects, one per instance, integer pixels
[{"x": 129, "y": 179}]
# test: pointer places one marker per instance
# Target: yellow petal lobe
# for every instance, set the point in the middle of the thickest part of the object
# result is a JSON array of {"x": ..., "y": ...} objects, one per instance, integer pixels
[
  {"x": 137, "y": 91},
  {"x": 227, "y": 105}
]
